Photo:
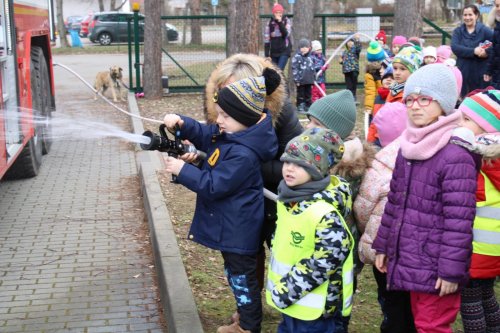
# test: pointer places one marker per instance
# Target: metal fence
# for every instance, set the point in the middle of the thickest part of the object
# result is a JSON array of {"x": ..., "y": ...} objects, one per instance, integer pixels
[{"x": 188, "y": 62}]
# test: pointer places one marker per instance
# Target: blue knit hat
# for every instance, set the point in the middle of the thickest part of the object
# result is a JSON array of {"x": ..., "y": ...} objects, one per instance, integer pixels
[{"x": 375, "y": 52}]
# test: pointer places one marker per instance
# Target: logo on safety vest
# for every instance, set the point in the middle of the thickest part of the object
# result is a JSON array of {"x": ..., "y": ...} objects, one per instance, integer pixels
[{"x": 297, "y": 238}]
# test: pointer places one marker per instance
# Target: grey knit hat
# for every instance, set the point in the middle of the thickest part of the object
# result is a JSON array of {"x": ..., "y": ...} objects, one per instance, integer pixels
[
  {"x": 336, "y": 111},
  {"x": 304, "y": 42},
  {"x": 317, "y": 150},
  {"x": 436, "y": 81}
]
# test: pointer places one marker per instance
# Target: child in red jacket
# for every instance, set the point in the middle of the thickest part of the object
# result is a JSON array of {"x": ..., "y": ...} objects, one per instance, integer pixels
[{"x": 479, "y": 307}]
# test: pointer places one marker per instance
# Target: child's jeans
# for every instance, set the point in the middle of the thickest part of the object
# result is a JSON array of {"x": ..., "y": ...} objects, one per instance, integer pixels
[
  {"x": 280, "y": 61},
  {"x": 293, "y": 325},
  {"x": 434, "y": 314},
  {"x": 241, "y": 275},
  {"x": 316, "y": 92}
]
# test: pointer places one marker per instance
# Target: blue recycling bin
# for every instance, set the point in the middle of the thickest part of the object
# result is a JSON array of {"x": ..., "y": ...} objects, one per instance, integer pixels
[{"x": 75, "y": 39}]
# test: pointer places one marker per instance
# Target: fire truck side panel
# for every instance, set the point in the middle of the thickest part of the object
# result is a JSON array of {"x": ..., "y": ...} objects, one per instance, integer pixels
[{"x": 30, "y": 28}]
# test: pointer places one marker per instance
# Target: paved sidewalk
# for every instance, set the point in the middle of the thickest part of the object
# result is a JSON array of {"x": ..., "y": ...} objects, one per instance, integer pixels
[{"x": 74, "y": 248}]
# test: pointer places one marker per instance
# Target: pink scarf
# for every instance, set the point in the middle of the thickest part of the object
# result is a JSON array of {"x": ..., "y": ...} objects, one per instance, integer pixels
[{"x": 421, "y": 143}]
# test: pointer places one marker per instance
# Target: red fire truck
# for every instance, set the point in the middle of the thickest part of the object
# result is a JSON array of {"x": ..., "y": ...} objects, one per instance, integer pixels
[{"x": 26, "y": 86}]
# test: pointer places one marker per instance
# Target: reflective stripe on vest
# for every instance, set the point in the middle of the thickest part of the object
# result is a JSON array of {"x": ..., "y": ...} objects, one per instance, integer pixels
[
  {"x": 294, "y": 240},
  {"x": 486, "y": 228}
]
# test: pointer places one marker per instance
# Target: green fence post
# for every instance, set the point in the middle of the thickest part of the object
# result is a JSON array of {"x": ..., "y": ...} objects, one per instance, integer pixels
[
  {"x": 130, "y": 70},
  {"x": 138, "y": 87}
]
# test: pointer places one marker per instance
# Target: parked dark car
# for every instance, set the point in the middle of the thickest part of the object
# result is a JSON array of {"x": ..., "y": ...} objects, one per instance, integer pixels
[
  {"x": 171, "y": 32},
  {"x": 108, "y": 27}
]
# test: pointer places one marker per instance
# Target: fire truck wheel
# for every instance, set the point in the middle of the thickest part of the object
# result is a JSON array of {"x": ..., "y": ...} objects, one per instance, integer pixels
[
  {"x": 105, "y": 38},
  {"x": 44, "y": 114},
  {"x": 30, "y": 159}
]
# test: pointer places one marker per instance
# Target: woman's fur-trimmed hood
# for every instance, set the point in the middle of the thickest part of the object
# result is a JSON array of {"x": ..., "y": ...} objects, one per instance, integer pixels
[
  {"x": 357, "y": 158},
  {"x": 273, "y": 103}
]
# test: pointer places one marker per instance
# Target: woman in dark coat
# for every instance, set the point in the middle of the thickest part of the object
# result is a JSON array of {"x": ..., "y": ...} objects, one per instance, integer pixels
[{"x": 472, "y": 57}]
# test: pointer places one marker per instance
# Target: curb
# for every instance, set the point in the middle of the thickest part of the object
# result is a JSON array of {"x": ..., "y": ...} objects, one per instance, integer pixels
[{"x": 179, "y": 307}]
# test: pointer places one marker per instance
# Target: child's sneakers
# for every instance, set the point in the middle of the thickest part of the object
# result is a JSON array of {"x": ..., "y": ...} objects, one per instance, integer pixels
[{"x": 233, "y": 328}]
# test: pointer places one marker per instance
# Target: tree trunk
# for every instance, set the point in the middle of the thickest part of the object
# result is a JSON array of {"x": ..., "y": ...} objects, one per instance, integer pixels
[
  {"x": 408, "y": 17},
  {"x": 446, "y": 13},
  {"x": 61, "y": 30},
  {"x": 101, "y": 5},
  {"x": 301, "y": 28},
  {"x": 243, "y": 28},
  {"x": 194, "y": 6},
  {"x": 112, "y": 5},
  {"x": 319, "y": 8},
  {"x": 152, "y": 50}
]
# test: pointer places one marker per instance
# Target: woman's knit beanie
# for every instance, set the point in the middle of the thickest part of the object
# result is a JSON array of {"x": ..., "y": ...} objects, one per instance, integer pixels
[
  {"x": 277, "y": 8},
  {"x": 436, "y": 81},
  {"x": 317, "y": 150},
  {"x": 336, "y": 111},
  {"x": 484, "y": 109},
  {"x": 244, "y": 100}
]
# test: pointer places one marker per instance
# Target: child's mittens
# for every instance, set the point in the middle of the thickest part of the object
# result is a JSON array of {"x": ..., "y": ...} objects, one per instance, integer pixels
[{"x": 464, "y": 137}]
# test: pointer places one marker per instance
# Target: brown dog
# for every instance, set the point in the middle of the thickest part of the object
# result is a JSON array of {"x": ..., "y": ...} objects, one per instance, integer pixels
[{"x": 111, "y": 79}]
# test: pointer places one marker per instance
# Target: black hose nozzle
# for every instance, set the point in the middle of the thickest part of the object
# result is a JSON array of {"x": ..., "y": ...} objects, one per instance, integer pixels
[{"x": 175, "y": 147}]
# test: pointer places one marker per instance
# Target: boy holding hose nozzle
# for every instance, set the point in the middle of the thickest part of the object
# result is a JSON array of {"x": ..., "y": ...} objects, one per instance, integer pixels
[{"x": 229, "y": 187}]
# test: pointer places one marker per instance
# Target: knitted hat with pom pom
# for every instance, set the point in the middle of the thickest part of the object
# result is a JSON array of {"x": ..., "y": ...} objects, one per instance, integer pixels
[
  {"x": 375, "y": 52},
  {"x": 381, "y": 36},
  {"x": 484, "y": 109},
  {"x": 244, "y": 100}
]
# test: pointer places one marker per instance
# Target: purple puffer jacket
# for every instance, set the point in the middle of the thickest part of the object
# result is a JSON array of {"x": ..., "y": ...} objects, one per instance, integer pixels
[{"x": 426, "y": 229}]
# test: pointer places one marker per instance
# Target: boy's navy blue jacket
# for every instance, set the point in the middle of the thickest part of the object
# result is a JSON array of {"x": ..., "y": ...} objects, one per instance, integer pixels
[
  {"x": 230, "y": 203},
  {"x": 471, "y": 66}
]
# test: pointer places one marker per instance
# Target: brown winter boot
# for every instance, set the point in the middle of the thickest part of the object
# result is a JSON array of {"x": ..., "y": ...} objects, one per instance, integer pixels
[{"x": 233, "y": 328}]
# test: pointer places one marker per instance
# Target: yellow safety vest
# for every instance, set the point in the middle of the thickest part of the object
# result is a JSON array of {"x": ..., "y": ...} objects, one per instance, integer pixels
[
  {"x": 294, "y": 240},
  {"x": 486, "y": 228}
]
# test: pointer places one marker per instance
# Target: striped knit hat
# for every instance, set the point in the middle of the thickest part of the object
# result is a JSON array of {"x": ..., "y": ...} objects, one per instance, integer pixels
[
  {"x": 484, "y": 109},
  {"x": 244, "y": 100},
  {"x": 374, "y": 52}
]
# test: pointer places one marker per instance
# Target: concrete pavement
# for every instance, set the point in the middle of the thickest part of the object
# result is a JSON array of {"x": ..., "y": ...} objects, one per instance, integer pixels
[{"x": 74, "y": 249}]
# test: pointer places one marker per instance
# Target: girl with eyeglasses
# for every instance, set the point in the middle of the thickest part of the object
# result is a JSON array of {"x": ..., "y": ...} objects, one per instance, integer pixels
[{"x": 424, "y": 242}]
